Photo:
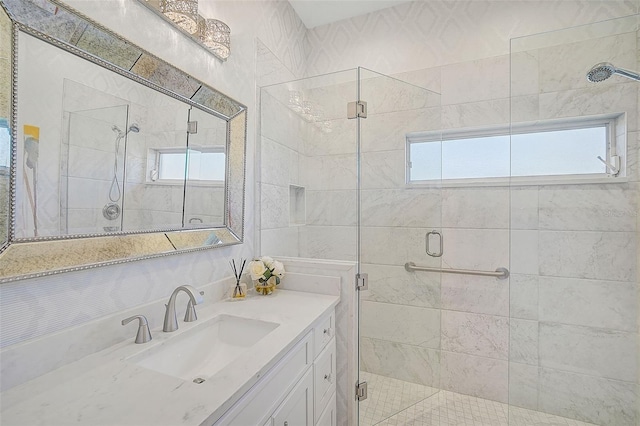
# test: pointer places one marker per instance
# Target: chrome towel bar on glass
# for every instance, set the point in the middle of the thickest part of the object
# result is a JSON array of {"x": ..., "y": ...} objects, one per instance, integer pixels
[{"x": 500, "y": 273}]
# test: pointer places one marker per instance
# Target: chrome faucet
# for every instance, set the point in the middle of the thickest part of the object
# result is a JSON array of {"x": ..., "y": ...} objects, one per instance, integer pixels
[{"x": 170, "y": 320}]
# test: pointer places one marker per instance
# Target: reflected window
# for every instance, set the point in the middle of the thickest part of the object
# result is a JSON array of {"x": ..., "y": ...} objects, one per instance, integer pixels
[
  {"x": 5, "y": 147},
  {"x": 577, "y": 148},
  {"x": 204, "y": 164}
]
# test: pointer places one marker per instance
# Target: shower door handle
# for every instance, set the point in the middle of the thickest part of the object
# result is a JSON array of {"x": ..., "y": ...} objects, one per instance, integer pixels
[{"x": 428, "y": 243}]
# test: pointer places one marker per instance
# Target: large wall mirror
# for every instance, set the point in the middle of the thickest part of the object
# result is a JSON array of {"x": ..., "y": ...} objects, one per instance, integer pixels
[{"x": 107, "y": 153}]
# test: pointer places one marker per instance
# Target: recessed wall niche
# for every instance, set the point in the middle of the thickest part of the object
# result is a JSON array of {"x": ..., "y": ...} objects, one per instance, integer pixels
[{"x": 297, "y": 202}]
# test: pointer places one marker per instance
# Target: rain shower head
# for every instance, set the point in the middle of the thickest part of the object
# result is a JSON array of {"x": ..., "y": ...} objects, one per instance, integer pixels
[{"x": 604, "y": 70}]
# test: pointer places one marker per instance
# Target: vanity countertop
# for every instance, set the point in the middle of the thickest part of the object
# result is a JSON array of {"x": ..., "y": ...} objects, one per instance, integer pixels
[{"x": 106, "y": 389}]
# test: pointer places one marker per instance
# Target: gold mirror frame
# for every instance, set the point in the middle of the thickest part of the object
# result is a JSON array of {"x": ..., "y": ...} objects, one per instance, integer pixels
[{"x": 65, "y": 28}]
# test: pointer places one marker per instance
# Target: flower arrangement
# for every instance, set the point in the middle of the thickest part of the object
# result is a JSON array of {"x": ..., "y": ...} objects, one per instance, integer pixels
[{"x": 267, "y": 273}]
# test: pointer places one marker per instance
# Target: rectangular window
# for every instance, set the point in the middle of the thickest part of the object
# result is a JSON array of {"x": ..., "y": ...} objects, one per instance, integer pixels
[
  {"x": 557, "y": 149},
  {"x": 204, "y": 164}
]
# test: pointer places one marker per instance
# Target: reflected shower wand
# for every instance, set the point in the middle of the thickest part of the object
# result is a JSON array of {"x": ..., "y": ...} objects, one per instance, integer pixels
[{"x": 111, "y": 210}]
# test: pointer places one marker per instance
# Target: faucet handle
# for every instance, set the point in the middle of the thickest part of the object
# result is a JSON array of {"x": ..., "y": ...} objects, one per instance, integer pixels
[
  {"x": 190, "y": 314},
  {"x": 143, "y": 335}
]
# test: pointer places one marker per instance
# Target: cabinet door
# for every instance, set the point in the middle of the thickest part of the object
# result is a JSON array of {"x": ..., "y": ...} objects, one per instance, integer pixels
[{"x": 297, "y": 408}]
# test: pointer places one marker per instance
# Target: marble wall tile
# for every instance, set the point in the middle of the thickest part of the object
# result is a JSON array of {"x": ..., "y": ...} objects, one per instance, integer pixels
[
  {"x": 411, "y": 325},
  {"x": 524, "y": 207},
  {"x": 401, "y": 207},
  {"x": 593, "y": 100},
  {"x": 476, "y": 376},
  {"x": 393, "y": 284},
  {"x": 593, "y": 303},
  {"x": 273, "y": 114},
  {"x": 280, "y": 163},
  {"x": 604, "y": 207},
  {"x": 523, "y": 296},
  {"x": 523, "y": 385},
  {"x": 476, "y": 114},
  {"x": 428, "y": 78},
  {"x": 480, "y": 295},
  {"x": 329, "y": 172},
  {"x": 563, "y": 67},
  {"x": 593, "y": 255},
  {"x": 384, "y": 94},
  {"x": 342, "y": 139},
  {"x": 524, "y": 251},
  {"x": 477, "y": 80},
  {"x": 385, "y": 132},
  {"x": 523, "y": 341},
  {"x": 280, "y": 242},
  {"x": 395, "y": 246},
  {"x": 524, "y": 73},
  {"x": 587, "y": 398},
  {"x": 413, "y": 364},
  {"x": 337, "y": 208},
  {"x": 525, "y": 108},
  {"x": 328, "y": 242},
  {"x": 588, "y": 350},
  {"x": 482, "y": 249},
  {"x": 475, "y": 334},
  {"x": 475, "y": 208},
  {"x": 383, "y": 169},
  {"x": 274, "y": 202}
]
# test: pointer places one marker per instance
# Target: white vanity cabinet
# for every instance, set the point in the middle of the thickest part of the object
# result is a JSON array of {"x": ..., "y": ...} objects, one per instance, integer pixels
[{"x": 299, "y": 390}]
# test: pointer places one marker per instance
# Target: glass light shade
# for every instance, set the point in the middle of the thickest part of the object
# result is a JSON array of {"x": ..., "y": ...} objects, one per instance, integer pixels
[
  {"x": 216, "y": 35},
  {"x": 183, "y": 13}
]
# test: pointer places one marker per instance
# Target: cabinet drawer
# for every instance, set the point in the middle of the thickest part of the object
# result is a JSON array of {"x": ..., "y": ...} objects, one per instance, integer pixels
[
  {"x": 255, "y": 406},
  {"x": 323, "y": 332},
  {"x": 297, "y": 408},
  {"x": 328, "y": 416},
  {"x": 324, "y": 377}
]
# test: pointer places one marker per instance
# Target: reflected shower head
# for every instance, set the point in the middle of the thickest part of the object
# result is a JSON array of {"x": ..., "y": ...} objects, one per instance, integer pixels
[
  {"x": 133, "y": 128},
  {"x": 604, "y": 70}
]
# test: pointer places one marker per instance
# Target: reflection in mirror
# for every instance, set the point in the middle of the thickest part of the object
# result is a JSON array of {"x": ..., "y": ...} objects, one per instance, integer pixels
[
  {"x": 5, "y": 134},
  {"x": 115, "y": 152},
  {"x": 204, "y": 201}
]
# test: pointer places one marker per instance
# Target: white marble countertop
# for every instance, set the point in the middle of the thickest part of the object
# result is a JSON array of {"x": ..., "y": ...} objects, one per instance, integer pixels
[{"x": 107, "y": 389}]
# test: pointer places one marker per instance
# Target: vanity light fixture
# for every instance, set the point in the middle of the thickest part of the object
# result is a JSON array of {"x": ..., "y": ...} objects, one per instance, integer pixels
[
  {"x": 216, "y": 36},
  {"x": 184, "y": 13},
  {"x": 212, "y": 34}
]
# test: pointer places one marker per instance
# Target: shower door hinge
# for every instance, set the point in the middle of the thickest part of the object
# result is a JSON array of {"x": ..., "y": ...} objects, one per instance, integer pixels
[
  {"x": 357, "y": 109},
  {"x": 361, "y": 391},
  {"x": 362, "y": 281},
  {"x": 192, "y": 127}
]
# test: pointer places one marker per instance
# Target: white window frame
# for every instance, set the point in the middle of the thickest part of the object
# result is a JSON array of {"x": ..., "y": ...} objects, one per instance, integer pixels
[
  {"x": 616, "y": 146},
  {"x": 154, "y": 157}
]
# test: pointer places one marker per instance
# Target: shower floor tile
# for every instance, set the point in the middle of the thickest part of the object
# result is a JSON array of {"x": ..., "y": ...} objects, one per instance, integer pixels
[{"x": 393, "y": 402}]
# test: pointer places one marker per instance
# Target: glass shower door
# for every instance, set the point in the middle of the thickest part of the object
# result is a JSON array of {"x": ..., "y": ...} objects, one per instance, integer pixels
[{"x": 399, "y": 223}]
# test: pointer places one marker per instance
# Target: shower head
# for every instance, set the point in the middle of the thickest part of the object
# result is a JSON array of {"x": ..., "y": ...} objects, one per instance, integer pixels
[
  {"x": 604, "y": 70},
  {"x": 133, "y": 128}
]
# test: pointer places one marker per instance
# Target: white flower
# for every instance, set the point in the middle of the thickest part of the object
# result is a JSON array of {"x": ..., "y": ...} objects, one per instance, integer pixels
[
  {"x": 268, "y": 261},
  {"x": 273, "y": 280},
  {"x": 278, "y": 269},
  {"x": 257, "y": 269}
]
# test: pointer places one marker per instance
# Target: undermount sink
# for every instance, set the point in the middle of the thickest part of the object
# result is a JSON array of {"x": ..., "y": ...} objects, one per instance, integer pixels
[{"x": 204, "y": 350}]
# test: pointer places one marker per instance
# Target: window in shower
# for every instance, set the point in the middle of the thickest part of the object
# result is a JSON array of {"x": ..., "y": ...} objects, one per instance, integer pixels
[
  {"x": 567, "y": 149},
  {"x": 206, "y": 165}
]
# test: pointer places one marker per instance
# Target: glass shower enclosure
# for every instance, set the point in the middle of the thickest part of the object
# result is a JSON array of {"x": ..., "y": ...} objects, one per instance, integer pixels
[{"x": 543, "y": 327}]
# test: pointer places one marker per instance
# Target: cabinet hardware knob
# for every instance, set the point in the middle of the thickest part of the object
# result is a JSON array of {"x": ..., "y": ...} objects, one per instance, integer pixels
[{"x": 327, "y": 377}]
